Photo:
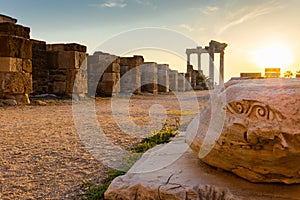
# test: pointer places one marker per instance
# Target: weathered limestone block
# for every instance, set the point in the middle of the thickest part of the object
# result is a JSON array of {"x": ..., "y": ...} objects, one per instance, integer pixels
[
  {"x": 27, "y": 65},
  {"x": 66, "y": 47},
  {"x": 10, "y": 64},
  {"x": 103, "y": 74},
  {"x": 40, "y": 71},
  {"x": 38, "y": 45},
  {"x": 163, "y": 78},
  {"x": 11, "y": 29},
  {"x": 188, "y": 80},
  {"x": 5, "y": 19},
  {"x": 78, "y": 86},
  {"x": 149, "y": 81},
  {"x": 173, "y": 75},
  {"x": 173, "y": 171},
  {"x": 65, "y": 59},
  {"x": 15, "y": 47},
  {"x": 15, "y": 83},
  {"x": 181, "y": 82},
  {"x": 131, "y": 74},
  {"x": 260, "y": 137}
]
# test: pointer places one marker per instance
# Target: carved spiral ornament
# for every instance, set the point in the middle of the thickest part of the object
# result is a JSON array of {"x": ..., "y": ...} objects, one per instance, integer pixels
[{"x": 253, "y": 109}]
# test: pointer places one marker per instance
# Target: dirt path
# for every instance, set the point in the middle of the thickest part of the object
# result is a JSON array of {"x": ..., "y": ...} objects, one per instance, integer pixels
[{"x": 42, "y": 155}]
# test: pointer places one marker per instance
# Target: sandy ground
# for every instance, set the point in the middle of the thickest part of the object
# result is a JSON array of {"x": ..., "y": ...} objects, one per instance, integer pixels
[{"x": 43, "y": 157}]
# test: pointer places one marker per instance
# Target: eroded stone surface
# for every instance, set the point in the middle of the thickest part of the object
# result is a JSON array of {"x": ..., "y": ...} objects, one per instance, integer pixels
[
  {"x": 173, "y": 171},
  {"x": 260, "y": 140}
]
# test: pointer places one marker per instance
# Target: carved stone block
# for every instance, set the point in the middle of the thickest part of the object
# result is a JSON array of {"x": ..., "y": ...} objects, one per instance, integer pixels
[
  {"x": 9, "y": 64},
  {"x": 258, "y": 137}
]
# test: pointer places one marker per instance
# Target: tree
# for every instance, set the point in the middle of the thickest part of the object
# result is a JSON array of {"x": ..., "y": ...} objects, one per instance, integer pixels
[{"x": 204, "y": 81}]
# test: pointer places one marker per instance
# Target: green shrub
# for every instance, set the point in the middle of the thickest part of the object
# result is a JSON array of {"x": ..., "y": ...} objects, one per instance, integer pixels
[{"x": 93, "y": 192}]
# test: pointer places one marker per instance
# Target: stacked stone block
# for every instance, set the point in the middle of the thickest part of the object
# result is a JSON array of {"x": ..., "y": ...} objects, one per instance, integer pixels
[
  {"x": 149, "y": 78},
  {"x": 173, "y": 76},
  {"x": 103, "y": 74},
  {"x": 188, "y": 80},
  {"x": 59, "y": 69},
  {"x": 15, "y": 61},
  {"x": 194, "y": 74},
  {"x": 181, "y": 82},
  {"x": 163, "y": 78},
  {"x": 131, "y": 74},
  {"x": 40, "y": 71},
  {"x": 67, "y": 62}
]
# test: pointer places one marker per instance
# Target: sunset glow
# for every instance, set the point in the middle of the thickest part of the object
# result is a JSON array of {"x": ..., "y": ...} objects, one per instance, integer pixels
[{"x": 273, "y": 56}]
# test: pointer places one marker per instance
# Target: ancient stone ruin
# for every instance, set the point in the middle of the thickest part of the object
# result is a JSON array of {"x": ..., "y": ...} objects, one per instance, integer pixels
[
  {"x": 29, "y": 66},
  {"x": 257, "y": 141},
  {"x": 149, "y": 77},
  {"x": 260, "y": 137},
  {"x": 103, "y": 74},
  {"x": 173, "y": 78},
  {"x": 163, "y": 78},
  {"x": 55, "y": 67},
  {"x": 213, "y": 48},
  {"x": 15, "y": 61},
  {"x": 131, "y": 74}
]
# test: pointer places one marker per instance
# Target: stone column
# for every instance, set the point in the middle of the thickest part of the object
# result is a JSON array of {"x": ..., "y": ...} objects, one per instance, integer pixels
[
  {"x": 173, "y": 74},
  {"x": 149, "y": 77},
  {"x": 181, "y": 82},
  {"x": 188, "y": 58},
  {"x": 188, "y": 80},
  {"x": 131, "y": 74},
  {"x": 163, "y": 78},
  {"x": 211, "y": 64},
  {"x": 103, "y": 74},
  {"x": 199, "y": 63},
  {"x": 221, "y": 77},
  {"x": 15, "y": 62}
]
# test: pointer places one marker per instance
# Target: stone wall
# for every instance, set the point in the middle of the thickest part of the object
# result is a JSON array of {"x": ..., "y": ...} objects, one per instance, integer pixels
[
  {"x": 181, "y": 82},
  {"x": 163, "y": 78},
  {"x": 15, "y": 61},
  {"x": 56, "y": 66},
  {"x": 173, "y": 75},
  {"x": 194, "y": 74},
  {"x": 131, "y": 74},
  {"x": 103, "y": 74},
  {"x": 40, "y": 71},
  {"x": 4, "y": 19},
  {"x": 149, "y": 77},
  {"x": 188, "y": 80}
]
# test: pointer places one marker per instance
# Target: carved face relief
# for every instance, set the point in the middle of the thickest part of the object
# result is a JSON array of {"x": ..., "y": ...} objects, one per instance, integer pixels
[{"x": 257, "y": 125}]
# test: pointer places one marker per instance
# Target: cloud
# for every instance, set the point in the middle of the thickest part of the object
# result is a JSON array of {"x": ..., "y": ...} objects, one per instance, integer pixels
[
  {"x": 251, "y": 14},
  {"x": 111, "y": 4},
  {"x": 210, "y": 9},
  {"x": 186, "y": 27},
  {"x": 190, "y": 28}
]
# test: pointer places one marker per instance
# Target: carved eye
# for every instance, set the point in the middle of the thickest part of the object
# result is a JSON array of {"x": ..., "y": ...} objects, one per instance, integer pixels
[
  {"x": 261, "y": 111},
  {"x": 240, "y": 107}
]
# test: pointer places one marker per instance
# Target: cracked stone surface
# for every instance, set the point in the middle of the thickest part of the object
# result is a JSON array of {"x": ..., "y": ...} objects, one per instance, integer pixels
[
  {"x": 173, "y": 171},
  {"x": 260, "y": 139}
]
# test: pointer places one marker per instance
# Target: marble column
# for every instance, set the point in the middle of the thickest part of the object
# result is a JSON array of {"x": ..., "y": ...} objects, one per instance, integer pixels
[
  {"x": 221, "y": 77},
  {"x": 211, "y": 65},
  {"x": 188, "y": 58},
  {"x": 199, "y": 63}
]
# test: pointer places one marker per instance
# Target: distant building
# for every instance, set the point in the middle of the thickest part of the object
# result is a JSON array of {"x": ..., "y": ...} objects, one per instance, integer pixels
[
  {"x": 256, "y": 75},
  {"x": 272, "y": 72}
]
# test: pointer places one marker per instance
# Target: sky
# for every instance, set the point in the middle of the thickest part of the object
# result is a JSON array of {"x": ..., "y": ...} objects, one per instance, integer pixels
[{"x": 259, "y": 33}]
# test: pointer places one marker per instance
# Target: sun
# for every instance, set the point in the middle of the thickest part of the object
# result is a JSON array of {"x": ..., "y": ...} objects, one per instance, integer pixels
[{"x": 273, "y": 56}]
